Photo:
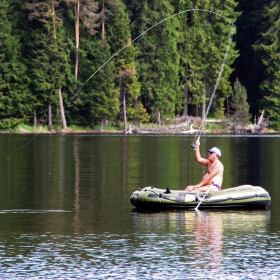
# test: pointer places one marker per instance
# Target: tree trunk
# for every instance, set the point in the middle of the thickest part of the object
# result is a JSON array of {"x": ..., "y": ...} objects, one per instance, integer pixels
[
  {"x": 50, "y": 116},
  {"x": 62, "y": 113},
  {"x": 186, "y": 94},
  {"x": 124, "y": 112},
  {"x": 227, "y": 107},
  {"x": 77, "y": 36},
  {"x": 35, "y": 118},
  {"x": 101, "y": 125},
  {"x": 103, "y": 21},
  {"x": 54, "y": 22},
  {"x": 159, "y": 119},
  {"x": 204, "y": 98},
  {"x": 203, "y": 106}
]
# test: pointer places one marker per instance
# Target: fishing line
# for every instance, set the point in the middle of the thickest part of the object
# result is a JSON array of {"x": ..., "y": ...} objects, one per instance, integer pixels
[
  {"x": 216, "y": 85},
  {"x": 160, "y": 22},
  {"x": 135, "y": 39},
  {"x": 22, "y": 146}
]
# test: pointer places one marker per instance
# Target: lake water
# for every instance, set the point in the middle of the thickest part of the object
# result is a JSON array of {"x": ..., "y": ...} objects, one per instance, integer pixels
[{"x": 65, "y": 211}]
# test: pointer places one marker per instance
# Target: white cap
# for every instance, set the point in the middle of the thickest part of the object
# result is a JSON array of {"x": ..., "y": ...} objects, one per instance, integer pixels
[{"x": 215, "y": 150}]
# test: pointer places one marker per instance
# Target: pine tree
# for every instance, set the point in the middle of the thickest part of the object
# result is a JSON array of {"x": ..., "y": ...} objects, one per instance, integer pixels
[
  {"x": 118, "y": 36},
  {"x": 138, "y": 114},
  {"x": 203, "y": 42},
  {"x": 14, "y": 97},
  {"x": 250, "y": 24},
  {"x": 193, "y": 61},
  {"x": 222, "y": 31},
  {"x": 98, "y": 99},
  {"x": 158, "y": 59},
  {"x": 239, "y": 104},
  {"x": 48, "y": 57},
  {"x": 271, "y": 60},
  {"x": 86, "y": 12}
]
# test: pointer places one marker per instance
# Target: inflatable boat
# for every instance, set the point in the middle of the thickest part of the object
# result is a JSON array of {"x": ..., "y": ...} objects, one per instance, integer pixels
[{"x": 245, "y": 196}]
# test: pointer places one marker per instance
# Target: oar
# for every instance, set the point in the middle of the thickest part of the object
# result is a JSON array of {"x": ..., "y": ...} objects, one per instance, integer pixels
[{"x": 196, "y": 208}]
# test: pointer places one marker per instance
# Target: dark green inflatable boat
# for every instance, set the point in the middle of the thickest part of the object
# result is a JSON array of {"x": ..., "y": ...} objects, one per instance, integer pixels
[{"x": 245, "y": 196}]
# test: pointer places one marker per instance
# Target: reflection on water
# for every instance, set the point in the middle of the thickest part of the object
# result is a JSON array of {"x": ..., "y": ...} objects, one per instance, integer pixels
[
  {"x": 31, "y": 211},
  {"x": 165, "y": 245},
  {"x": 227, "y": 221},
  {"x": 208, "y": 237},
  {"x": 161, "y": 246},
  {"x": 65, "y": 210}
]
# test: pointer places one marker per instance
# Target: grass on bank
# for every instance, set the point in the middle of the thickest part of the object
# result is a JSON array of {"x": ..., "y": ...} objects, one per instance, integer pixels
[
  {"x": 216, "y": 127},
  {"x": 23, "y": 128},
  {"x": 211, "y": 126}
]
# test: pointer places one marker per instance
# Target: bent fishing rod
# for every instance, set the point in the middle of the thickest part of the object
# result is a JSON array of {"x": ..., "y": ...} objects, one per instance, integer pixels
[
  {"x": 158, "y": 23},
  {"x": 136, "y": 38},
  {"x": 197, "y": 136}
]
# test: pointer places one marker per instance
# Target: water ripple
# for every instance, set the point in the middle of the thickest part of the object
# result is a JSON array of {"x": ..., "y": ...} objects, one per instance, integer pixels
[
  {"x": 31, "y": 211},
  {"x": 139, "y": 256}
]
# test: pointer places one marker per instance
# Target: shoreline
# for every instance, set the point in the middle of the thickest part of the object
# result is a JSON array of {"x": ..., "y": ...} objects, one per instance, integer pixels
[
  {"x": 150, "y": 132},
  {"x": 178, "y": 126}
]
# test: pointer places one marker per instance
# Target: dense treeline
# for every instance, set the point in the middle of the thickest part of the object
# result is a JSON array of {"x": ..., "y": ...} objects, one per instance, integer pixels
[{"x": 72, "y": 61}]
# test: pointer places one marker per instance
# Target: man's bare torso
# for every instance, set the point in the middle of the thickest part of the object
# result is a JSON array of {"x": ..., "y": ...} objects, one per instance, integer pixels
[{"x": 218, "y": 168}]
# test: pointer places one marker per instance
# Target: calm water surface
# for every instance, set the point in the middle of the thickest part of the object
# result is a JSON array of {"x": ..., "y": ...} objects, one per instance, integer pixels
[{"x": 65, "y": 210}]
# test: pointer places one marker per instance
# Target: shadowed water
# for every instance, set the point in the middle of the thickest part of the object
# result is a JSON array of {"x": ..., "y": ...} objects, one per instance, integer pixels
[{"x": 65, "y": 210}]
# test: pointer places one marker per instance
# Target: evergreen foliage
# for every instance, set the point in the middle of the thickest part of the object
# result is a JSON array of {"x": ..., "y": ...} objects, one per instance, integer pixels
[
  {"x": 99, "y": 97},
  {"x": 158, "y": 58},
  {"x": 48, "y": 55},
  {"x": 126, "y": 79},
  {"x": 239, "y": 104},
  {"x": 271, "y": 60},
  {"x": 204, "y": 39},
  {"x": 249, "y": 68},
  {"x": 171, "y": 70},
  {"x": 15, "y": 101}
]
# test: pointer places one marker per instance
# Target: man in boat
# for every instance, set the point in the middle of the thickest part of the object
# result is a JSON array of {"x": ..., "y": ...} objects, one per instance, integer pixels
[{"x": 215, "y": 170}]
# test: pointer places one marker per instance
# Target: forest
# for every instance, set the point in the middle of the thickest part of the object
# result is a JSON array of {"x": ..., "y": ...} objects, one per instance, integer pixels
[{"x": 95, "y": 62}]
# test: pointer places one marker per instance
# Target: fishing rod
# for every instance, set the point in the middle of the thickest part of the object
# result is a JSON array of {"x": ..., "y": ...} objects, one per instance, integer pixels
[
  {"x": 205, "y": 195},
  {"x": 197, "y": 136},
  {"x": 135, "y": 39},
  {"x": 158, "y": 23}
]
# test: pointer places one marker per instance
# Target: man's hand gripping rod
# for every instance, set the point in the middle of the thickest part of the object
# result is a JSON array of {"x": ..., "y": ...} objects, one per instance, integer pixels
[{"x": 194, "y": 142}]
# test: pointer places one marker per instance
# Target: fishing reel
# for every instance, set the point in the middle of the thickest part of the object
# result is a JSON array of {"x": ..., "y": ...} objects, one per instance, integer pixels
[
  {"x": 193, "y": 145},
  {"x": 194, "y": 142}
]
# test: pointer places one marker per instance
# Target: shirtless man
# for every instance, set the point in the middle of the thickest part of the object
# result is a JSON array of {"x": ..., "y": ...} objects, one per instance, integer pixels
[{"x": 215, "y": 170}]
